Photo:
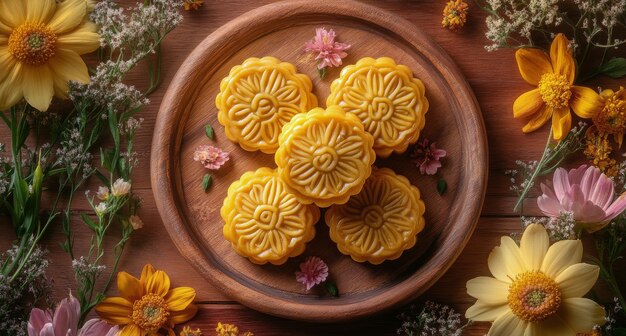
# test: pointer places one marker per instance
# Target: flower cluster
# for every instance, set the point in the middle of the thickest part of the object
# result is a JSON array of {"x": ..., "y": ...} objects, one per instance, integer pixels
[
  {"x": 313, "y": 271},
  {"x": 455, "y": 15},
  {"x": 20, "y": 295},
  {"x": 225, "y": 329},
  {"x": 329, "y": 52},
  {"x": 559, "y": 228},
  {"x": 433, "y": 319},
  {"x": 210, "y": 157},
  {"x": 427, "y": 157}
]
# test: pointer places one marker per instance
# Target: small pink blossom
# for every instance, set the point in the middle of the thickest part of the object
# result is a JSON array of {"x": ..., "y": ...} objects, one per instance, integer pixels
[
  {"x": 586, "y": 193},
  {"x": 313, "y": 271},
  {"x": 329, "y": 52},
  {"x": 210, "y": 157},
  {"x": 64, "y": 322},
  {"x": 427, "y": 157}
]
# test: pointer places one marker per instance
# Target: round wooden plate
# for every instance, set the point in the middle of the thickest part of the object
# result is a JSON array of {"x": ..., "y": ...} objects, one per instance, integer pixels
[{"x": 192, "y": 217}]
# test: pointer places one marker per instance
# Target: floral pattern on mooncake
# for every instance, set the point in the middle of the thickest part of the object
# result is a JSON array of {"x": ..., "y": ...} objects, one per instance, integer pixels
[
  {"x": 390, "y": 102},
  {"x": 381, "y": 221},
  {"x": 264, "y": 221},
  {"x": 258, "y": 98},
  {"x": 325, "y": 156}
]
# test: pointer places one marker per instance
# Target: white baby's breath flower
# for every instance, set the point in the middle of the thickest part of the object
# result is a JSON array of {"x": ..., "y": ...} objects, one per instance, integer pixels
[{"x": 120, "y": 188}]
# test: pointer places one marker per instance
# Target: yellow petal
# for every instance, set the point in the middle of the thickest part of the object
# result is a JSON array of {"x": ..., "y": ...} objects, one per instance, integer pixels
[
  {"x": 560, "y": 256},
  {"x": 540, "y": 118},
  {"x": 554, "y": 326},
  {"x": 607, "y": 93},
  {"x": 38, "y": 86},
  {"x": 488, "y": 290},
  {"x": 146, "y": 273},
  {"x": 512, "y": 256},
  {"x": 69, "y": 14},
  {"x": 182, "y": 316},
  {"x": 527, "y": 104},
  {"x": 4, "y": 39},
  {"x": 6, "y": 30},
  {"x": 561, "y": 123},
  {"x": 115, "y": 310},
  {"x": 585, "y": 102},
  {"x": 11, "y": 87},
  {"x": 577, "y": 280},
  {"x": 158, "y": 283},
  {"x": 68, "y": 66},
  {"x": 581, "y": 314},
  {"x": 12, "y": 12},
  {"x": 40, "y": 10},
  {"x": 81, "y": 41},
  {"x": 131, "y": 330},
  {"x": 532, "y": 63},
  {"x": 129, "y": 287},
  {"x": 179, "y": 298},
  {"x": 509, "y": 325},
  {"x": 534, "y": 246},
  {"x": 482, "y": 312},
  {"x": 562, "y": 59},
  {"x": 497, "y": 265},
  {"x": 619, "y": 138}
]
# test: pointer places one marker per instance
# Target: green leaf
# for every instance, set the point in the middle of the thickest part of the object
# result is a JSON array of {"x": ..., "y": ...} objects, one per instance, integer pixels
[
  {"x": 209, "y": 132},
  {"x": 442, "y": 186},
  {"x": 89, "y": 222},
  {"x": 614, "y": 68},
  {"x": 322, "y": 72},
  {"x": 331, "y": 288},
  {"x": 207, "y": 180}
]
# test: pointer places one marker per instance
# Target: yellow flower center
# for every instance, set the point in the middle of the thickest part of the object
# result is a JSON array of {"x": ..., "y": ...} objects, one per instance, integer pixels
[
  {"x": 32, "y": 43},
  {"x": 150, "y": 313},
  {"x": 533, "y": 296},
  {"x": 555, "y": 90},
  {"x": 612, "y": 118}
]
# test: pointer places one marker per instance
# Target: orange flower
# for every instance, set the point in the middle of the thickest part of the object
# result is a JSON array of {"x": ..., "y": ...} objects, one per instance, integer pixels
[
  {"x": 555, "y": 94},
  {"x": 148, "y": 304}
]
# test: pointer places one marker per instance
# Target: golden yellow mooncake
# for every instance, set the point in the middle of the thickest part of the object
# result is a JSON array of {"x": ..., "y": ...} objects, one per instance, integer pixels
[
  {"x": 260, "y": 96},
  {"x": 325, "y": 156},
  {"x": 381, "y": 221},
  {"x": 265, "y": 222},
  {"x": 386, "y": 97}
]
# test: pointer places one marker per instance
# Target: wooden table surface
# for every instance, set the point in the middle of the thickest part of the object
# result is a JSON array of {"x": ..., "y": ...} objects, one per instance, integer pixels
[{"x": 496, "y": 82}]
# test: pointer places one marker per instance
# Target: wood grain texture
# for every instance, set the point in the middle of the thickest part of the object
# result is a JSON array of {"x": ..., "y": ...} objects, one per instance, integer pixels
[
  {"x": 192, "y": 217},
  {"x": 493, "y": 77}
]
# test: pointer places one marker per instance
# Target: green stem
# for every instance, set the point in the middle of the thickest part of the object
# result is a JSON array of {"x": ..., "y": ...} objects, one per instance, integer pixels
[{"x": 535, "y": 174}]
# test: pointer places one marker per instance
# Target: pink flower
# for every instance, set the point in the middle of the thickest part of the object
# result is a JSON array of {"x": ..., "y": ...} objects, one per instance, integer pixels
[
  {"x": 210, "y": 157},
  {"x": 585, "y": 192},
  {"x": 313, "y": 271},
  {"x": 64, "y": 322},
  {"x": 329, "y": 52},
  {"x": 427, "y": 157}
]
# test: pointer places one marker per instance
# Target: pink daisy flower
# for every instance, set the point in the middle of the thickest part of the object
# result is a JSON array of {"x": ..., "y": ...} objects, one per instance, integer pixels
[
  {"x": 427, "y": 157},
  {"x": 329, "y": 52},
  {"x": 210, "y": 157},
  {"x": 313, "y": 271}
]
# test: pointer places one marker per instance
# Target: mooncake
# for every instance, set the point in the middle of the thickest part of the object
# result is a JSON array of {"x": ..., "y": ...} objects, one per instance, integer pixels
[
  {"x": 258, "y": 97},
  {"x": 263, "y": 221},
  {"x": 388, "y": 100},
  {"x": 325, "y": 156},
  {"x": 379, "y": 223}
]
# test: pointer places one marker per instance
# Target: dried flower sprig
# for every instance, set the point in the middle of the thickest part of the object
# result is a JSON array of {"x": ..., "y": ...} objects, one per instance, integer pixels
[
  {"x": 432, "y": 319},
  {"x": 455, "y": 15},
  {"x": 226, "y": 329}
]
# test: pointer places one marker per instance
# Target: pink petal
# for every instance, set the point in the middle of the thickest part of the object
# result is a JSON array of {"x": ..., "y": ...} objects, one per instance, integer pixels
[
  {"x": 561, "y": 183},
  {"x": 38, "y": 318},
  {"x": 66, "y": 317},
  {"x": 48, "y": 330},
  {"x": 588, "y": 181},
  {"x": 549, "y": 206},
  {"x": 113, "y": 331},
  {"x": 95, "y": 327},
  {"x": 590, "y": 213},
  {"x": 604, "y": 192},
  {"x": 616, "y": 208},
  {"x": 576, "y": 175}
]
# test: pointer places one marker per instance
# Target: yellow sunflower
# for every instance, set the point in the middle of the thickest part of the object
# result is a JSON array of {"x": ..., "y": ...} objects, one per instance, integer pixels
[
  {"x": 148, "y": 304},
  {"x": 556, "y": 93},
  {"x": 40, "y": 44},
  {"x": 536, "y": 288}
]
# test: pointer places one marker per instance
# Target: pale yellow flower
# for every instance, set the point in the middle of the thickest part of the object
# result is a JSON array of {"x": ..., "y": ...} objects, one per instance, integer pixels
[
  {"x": 136, "y": 222},
  {"x": 120, "y": 188},
  {"x": 103, "y": 193},
  {"x": 40, "y": 47},
  {"x": 536, "y": 289}
]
